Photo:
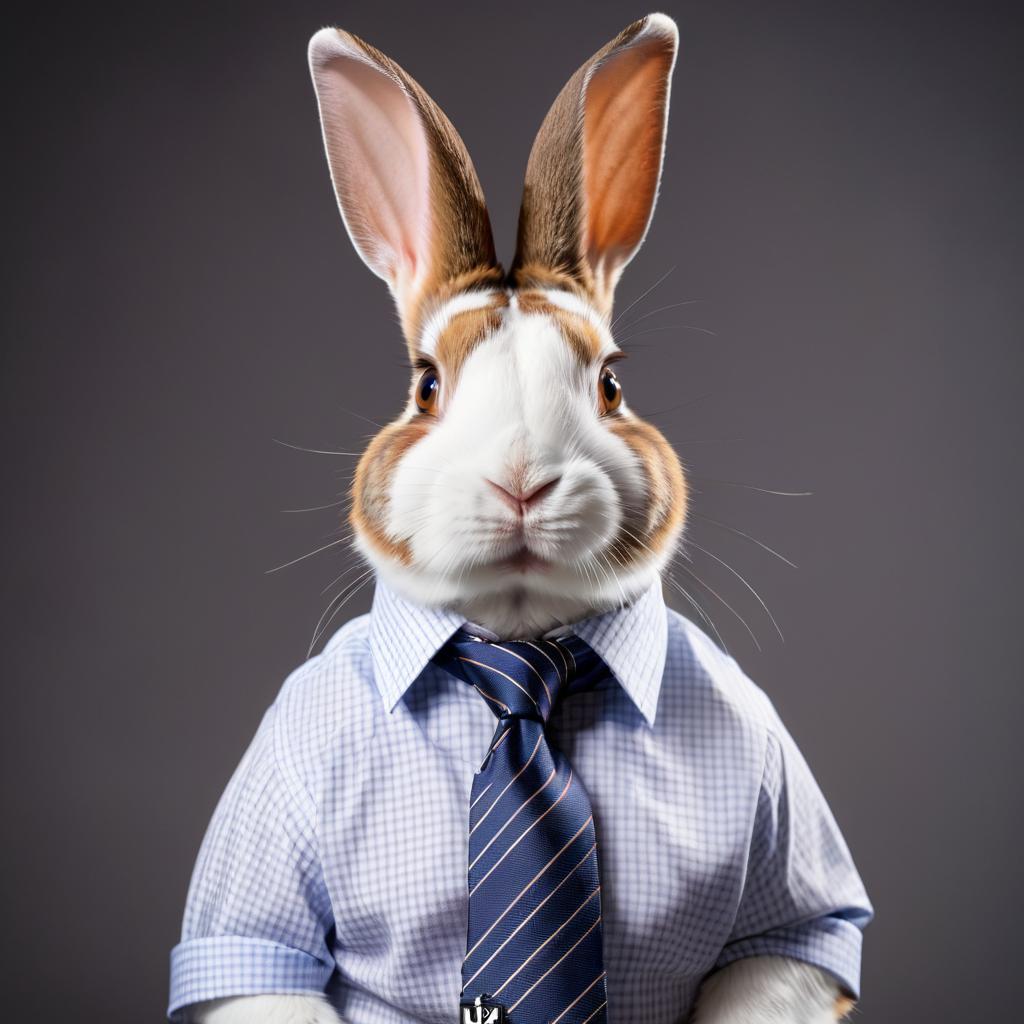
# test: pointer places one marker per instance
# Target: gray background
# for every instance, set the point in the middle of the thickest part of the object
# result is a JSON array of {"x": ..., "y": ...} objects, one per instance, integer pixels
[{"x": 841, "y": 196}]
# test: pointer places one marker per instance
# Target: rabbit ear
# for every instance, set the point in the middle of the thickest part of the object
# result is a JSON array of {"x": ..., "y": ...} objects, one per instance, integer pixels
[
  {"x": 407, "y": 190},
  {"x": 593, "y": 173}
]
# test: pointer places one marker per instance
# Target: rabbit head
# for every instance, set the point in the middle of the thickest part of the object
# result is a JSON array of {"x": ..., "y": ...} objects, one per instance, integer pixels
[{"x": 516, "y": 486}]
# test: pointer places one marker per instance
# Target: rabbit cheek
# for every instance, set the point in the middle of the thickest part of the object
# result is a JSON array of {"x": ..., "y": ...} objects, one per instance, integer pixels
[
  {"x": 655, "y": 522},
  {"x": 372, "y": 487}
]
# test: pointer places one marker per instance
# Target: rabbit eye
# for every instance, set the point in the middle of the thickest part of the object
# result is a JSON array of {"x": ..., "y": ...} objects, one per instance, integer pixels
[
  {"x": 427, "y": 389},
  {"x": 609, "y": 391}
]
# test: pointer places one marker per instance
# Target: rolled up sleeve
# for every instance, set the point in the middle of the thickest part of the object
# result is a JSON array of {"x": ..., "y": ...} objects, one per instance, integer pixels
[
  {"x": 802, "y": 896},
  {"x": 257, "y": 914}
]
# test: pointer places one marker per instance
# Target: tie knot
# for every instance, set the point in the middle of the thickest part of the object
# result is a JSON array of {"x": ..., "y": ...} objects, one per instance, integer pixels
[{"x": 521, "y": 678}]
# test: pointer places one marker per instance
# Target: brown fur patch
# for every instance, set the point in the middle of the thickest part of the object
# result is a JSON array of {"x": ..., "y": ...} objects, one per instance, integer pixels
[
  {"x": 530, "y": 301},
  {"x": 478, "y": 279},
  {"x": 461, "y": 335},
  {"x": 585, "y": 341},
  {"x": 537, "y": 276},
  {"x": 664, "y": 513},
  {"x": 844, "y": 1007},
  {"x": 370, "y": 488}
]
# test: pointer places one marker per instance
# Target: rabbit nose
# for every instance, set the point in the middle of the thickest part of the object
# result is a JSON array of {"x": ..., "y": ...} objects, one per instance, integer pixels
[{"x": 519, "y": 501}]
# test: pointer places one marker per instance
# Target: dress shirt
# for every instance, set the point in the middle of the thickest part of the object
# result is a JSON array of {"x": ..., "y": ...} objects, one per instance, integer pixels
[{"x": 336, "y": 859}]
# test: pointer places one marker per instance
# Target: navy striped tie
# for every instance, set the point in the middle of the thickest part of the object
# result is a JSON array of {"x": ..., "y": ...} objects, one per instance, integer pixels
[{"x": 534, "y": 943}]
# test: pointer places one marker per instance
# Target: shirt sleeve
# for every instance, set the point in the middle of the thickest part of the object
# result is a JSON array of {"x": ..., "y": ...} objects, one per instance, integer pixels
[
  {"x": 802, "y": 896},
  {"x": 257, "y": 914}
]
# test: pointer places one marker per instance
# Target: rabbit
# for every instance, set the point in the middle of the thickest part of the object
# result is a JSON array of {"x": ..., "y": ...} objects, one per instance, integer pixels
[{"x": 515, "y": 408}]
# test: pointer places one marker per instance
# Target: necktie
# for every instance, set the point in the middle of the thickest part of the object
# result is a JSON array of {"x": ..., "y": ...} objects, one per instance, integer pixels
[{"x": 535, "y": 944}]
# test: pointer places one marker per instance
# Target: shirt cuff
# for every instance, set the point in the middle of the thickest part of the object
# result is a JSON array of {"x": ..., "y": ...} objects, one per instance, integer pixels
[
  {"x": 233, "y": 965},
  {"x": 831, "y": 943}
]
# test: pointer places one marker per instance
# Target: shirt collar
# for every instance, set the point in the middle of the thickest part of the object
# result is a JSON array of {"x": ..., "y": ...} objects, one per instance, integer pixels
[{"x": 631, "y": 641}]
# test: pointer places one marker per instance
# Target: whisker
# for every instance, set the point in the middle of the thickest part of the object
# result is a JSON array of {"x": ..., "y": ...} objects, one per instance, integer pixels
[
  {"x": 348, "y": 592},
  {"x": 751, "y": 487},
  {"x": 717, "y": 595},
  {"x": 309, "y": 554},
  {"x": 641, "y": 297},
  {"x": 341, "y": 576},
  {"x": 678, "y": 405},
  {"x": 710, "y": 440},
  {"x": 313, "y": 451},
  {"x": 746, "y": 536},
  {"x": 673, "y": 582},
  {"x": 615, "y": 576},
  {"x": 721, "y": 561},
  {"x": 316, "y": 508},
  {"x": 359, "y": 415},
  {"x": 667, "y": 327},
  {"x": 660, "y": 309}
]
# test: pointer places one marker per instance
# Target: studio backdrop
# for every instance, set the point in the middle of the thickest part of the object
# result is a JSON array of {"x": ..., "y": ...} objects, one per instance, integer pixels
[{"x": 825, "y": 321}]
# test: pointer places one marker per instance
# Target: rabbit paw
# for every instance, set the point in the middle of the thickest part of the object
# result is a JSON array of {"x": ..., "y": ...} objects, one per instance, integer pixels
[
  {"x": 270, "y": 1009},
  {"x": 770, "y": 990}
]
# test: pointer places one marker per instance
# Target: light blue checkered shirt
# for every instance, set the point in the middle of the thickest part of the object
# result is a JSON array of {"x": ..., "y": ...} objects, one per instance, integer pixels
[{"x": 337, "y": 856}]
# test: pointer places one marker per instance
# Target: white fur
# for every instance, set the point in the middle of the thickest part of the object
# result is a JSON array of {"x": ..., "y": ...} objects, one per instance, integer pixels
[
  {"x": 768, "y": 990},
  {"x": 576, "y": 304},
  {"x": 272, "y": 1009},
  {"x": 523, "y": 405}
]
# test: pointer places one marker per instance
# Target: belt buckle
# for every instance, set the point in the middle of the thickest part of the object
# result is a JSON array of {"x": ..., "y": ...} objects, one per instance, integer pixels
[{"x": 482, "y": 1010}]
